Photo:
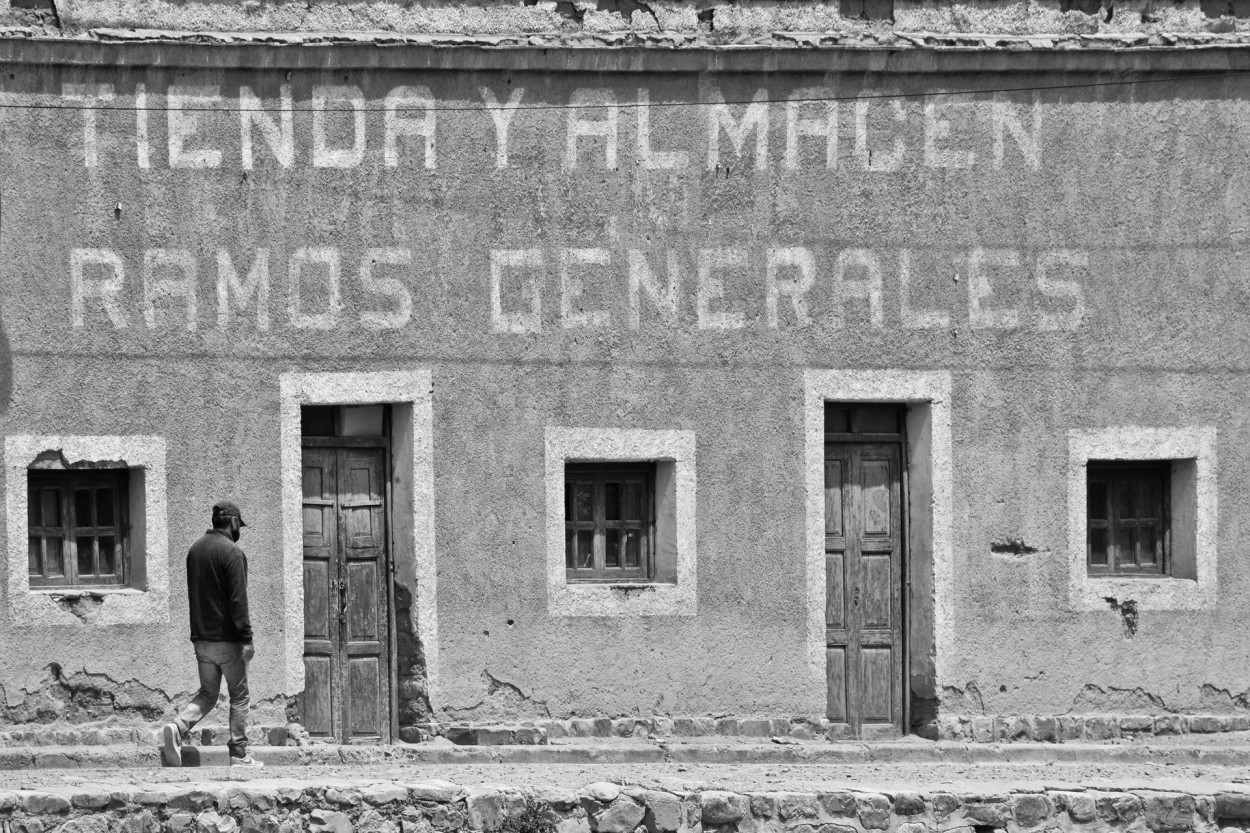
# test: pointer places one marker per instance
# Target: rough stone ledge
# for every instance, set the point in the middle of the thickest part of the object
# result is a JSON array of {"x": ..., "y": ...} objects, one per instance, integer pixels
[
  {"x": 345, "y": 806},
  {"x": 777, "y": 39}
]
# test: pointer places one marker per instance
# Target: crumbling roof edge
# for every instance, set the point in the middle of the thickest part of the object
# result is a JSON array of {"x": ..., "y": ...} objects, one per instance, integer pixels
[{"x": 629, "y": 52}]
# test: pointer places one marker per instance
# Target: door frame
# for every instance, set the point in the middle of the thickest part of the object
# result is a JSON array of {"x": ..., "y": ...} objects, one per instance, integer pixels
[
  {"x": 386, "y": 442},
  {"x": 932, "y": 635},
  {"x": 904, "y": 507}
]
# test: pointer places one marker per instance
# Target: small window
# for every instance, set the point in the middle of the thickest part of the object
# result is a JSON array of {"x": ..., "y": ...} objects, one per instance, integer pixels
[
  {"x": 77, "y": 527},
  {"x": 608, "y": 522},
  {"x": 1127, "y": 518}
]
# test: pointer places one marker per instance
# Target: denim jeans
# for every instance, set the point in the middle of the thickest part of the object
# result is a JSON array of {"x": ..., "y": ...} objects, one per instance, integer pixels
[{"x": 217, "y": 660}]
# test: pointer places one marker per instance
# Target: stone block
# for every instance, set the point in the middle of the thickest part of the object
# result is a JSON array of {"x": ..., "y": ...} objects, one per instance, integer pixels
[
  {"x": 1098, "y": 727},
  {"x": 485, "y": 808},
  {"x": 329, "y": 821},
  {"x": 1116, "y": 807},
  {"x": 838, "y": 805},
  {"x": 581, "y": 727},
  {"x": 914, "y": 827},
  {"x": 802, "y": 731},
  {"x": 26, "y": 825},
  {"x": 797, "y": 806},
  {"x": 180, "y": 822},
  {"x": 873, "y": 811},
  {"x": 440, "y": 792},
  {"x": 343, "y": 797},
  {"x": 1238, "y": 722},
  {"x": 1169, "y": 724},
  {"x": 1044, "y": 729},
  {"x": 755, "y": 727},
  {"x": 663, "y": 726},
  {"x": 994, "y": 813},
  {"x": 1079, "y": 806},
  {"x": 1070, "y": 727},
  {"x": 90, "y": 799},
  {"x": 663, "y": 812},
  {"x": 908, "y": 804},
  {"x": 1031, "y": 809},
  {"x": 447, "y": 817},
  {"x": 144, "y": 822},
  {"x": 1232, "y": 806},
  {"x": 573, "y": 824},
  {"x": 557, "y": 798},
  {"x": 982, "y": 729},
  {"x": 378, "y": 795},
  {"x": 93, "y": 823},
  {"x": 531, "y": 736},
  {"x": 1137, "y": 724},
  {"x": 210, "y": 821},
  {"x": 257, "y": 823},
  {"x": 1169, "y": 811},
  {"x": 722, "y": 807},
  {"x": 621, "y": 816},
  {"x": 8, "y": 801},
  {"x": 496, "y": 735},
  {"x": 1205, "y": 724},
  {"x": 461, "y": 735},
  {"x": 42, "y": 804},
  {"x": 1011, "y": 729},
  {"x": 371, "y": 821},
  {"x": 763, "y": 805},
  {"x": 779, "y": 727},
  {"x": 605, "y": 792},
  {"x": 728, "y": 726},
  {"x": 417, "y": 825}
]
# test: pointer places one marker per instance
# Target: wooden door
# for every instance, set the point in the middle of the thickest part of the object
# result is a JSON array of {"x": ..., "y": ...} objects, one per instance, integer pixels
[
  {"x": 863, "y": 582},
  {"x": 347, "y": 689}
]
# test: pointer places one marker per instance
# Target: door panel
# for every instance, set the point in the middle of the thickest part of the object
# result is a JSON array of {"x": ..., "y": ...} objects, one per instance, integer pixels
[
  {"x": 863, "y": 584},
  {"x": 346, "y": 618}
]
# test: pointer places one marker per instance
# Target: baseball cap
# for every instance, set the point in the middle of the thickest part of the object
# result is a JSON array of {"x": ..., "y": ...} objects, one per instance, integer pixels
[{"x": 228, "y": 509}]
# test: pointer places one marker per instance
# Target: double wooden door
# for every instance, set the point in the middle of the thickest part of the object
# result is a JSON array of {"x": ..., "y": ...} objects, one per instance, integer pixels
[
  {"x": 347, "y": 688},
  {"x": 863, "y": 583}
]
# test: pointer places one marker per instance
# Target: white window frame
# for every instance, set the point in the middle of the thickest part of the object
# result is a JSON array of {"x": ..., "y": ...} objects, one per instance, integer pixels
[
  {"x": 611, "y": 445},
  {"x": 1135, "y": 443},
  {"x": 149, "y": 535}
]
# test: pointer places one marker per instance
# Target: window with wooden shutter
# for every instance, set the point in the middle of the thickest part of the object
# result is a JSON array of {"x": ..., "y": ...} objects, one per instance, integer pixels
[
  {"x": 77, "y": 528},
  {"x": 1127, "y": 517},
  {"x": 609, "y": 521}
]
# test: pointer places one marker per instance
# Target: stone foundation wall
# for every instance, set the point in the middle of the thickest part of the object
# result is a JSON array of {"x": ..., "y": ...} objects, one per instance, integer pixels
[{"x": 345, "y": 807}]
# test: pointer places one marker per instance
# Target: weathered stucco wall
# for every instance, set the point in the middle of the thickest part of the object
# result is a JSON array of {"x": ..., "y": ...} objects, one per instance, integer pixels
[{"x": 1072, "y": 257}]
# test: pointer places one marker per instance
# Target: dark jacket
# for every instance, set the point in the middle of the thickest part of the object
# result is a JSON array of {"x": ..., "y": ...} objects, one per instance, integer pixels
[{"x": 217, "y": 586}]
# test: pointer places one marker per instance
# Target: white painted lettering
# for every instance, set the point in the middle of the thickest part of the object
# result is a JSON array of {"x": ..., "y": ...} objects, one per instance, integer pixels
[
  {"x": 605, "y": 103},
  {"x": 712, "y": 288},
  {"x": 395, "y": 123},
  {"x": 501, "y": 115},
  {"x": 91, "y": 97},
  {"x": 1007, "y": 119},
  {"x": 1048, "y": 261},
  {"x": 182, "y": 104},
  {"x": 979, "y": 288},
  {"x": 872, "y": 160},
  {"x": 257, "y": 284},
  {"x": 279, "y": 133},
  {"x": 915, "y": 319},
  {"x": 641, "y": 278},
  {"x": 143, "y": 151},
  {"x": 572, "y": 288},
  {"x": 799, "y": 260},
  {"x": 523, "y": 321},
  {"x": 937, "y": 129},
  {"x": 869, "y": 289},
  {"x": 323, "y": 256},
  {"x": 325, "y": 156},
  {"x": 651, "y": 159},
  {"x": 156, "y": 261},
  {"x": 720, "y": 117},
  {"x": 181, "y": 111},
  {"x": 80, "y": 288},
  {"x": 401, "y": 312},
  {"x": 825, "y": 127}
]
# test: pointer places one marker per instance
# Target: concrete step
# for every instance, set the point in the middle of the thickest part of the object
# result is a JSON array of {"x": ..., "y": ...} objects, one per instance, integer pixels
[{"x": 640, "y": 752}]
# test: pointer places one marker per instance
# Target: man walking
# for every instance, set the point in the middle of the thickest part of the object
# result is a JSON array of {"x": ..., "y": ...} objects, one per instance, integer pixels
[{"x": 221, "y": 633}]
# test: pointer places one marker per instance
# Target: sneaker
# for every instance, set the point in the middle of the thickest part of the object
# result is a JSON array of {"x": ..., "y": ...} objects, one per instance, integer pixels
[
  {"x": 246, "y": 760},
  {"x": 171, "y": 745}
]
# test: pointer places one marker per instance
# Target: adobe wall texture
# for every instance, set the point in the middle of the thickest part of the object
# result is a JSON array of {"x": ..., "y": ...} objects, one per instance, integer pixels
[{"x": 1073, "y": 257}]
